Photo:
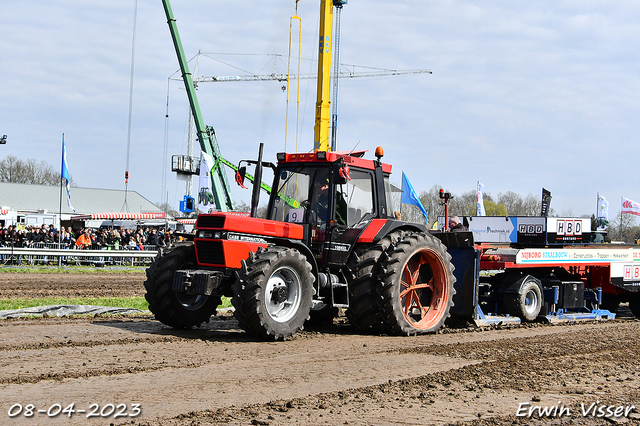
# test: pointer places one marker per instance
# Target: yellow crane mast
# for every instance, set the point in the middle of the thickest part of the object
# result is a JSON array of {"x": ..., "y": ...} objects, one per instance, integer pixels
[{"x": 323, "y": 104}]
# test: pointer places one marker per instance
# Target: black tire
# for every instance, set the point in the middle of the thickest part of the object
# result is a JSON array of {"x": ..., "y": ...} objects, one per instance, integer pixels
[
  {"x": 417, "y": 286},
  {"x": 322, "y": 314},
  {"x": 634, "y": 304},
  {"x": 527, "y": 301},
  {"x": 610, "y": 303},
  {"x": 178, "y": 310},
  {"x": 273, "y": 294},
  {"x": 364, "y": 306}
]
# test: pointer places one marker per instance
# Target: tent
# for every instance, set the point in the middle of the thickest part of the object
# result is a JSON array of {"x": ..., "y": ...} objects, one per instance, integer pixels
[{"x": 120, "y": 216}]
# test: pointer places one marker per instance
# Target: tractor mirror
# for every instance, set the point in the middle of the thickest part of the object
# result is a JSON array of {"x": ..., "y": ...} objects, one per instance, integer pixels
[
  {"x": 240, "y": 174},
  {"x": 341, "y": 175}
]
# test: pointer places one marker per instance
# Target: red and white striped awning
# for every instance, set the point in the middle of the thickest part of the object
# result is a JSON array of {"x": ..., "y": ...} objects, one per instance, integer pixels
[
  {"x": 187, "y": 221},
  {"x": 120, "y": 216}
]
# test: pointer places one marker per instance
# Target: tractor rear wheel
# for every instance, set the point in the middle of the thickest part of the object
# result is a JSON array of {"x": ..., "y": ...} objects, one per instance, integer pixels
[
  {"x": 364, "y": 264},
  {"x": 417, "y": 285},
  {"x": 175, "y": 309},
  {"x": 273, "y": 294}
]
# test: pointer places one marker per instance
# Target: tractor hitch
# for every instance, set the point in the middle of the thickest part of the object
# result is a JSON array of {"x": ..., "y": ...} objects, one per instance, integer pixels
[{"x": 196, "y": 281}]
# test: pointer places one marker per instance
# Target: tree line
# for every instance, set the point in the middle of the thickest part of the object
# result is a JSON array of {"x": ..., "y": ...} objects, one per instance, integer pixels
[
  {"x": 504, "y": 204},
  {"x": 15, "y": 170}
]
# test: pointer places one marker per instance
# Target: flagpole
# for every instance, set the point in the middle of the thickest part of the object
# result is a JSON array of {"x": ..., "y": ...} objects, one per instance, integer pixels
[
  {"x": 60, "y": 211},
  {"x": 621, "y": 202}
]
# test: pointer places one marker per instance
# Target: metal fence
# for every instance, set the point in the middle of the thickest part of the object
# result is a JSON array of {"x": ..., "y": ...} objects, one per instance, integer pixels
[{"x": 52, "y": 255}]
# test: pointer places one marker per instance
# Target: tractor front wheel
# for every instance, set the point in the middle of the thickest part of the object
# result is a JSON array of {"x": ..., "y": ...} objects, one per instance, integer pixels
[
  {"x": 273, "y": 294},
  {"x": 175, "y": 309},
  {"x": 417, "y": 291}
]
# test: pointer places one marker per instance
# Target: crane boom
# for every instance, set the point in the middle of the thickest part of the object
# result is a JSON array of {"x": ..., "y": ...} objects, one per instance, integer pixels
[
  {"x": 283, "y": 77},
  {"x": 220, "y": 186}
]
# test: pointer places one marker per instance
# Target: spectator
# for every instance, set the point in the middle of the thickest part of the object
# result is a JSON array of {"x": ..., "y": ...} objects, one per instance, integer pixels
[
  {"x": 101, "y": 240},
  {"x": 455, "y": 225},
  {"x": 152, "y": 239},
  {"x": 84, "y": 241}
]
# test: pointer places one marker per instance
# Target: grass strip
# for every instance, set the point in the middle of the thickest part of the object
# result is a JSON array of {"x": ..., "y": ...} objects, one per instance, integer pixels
[
  {"x": 118, "y": 302},
  {"x": 72, "y": 270}
]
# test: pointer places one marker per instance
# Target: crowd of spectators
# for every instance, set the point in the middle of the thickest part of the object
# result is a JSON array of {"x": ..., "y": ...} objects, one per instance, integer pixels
[{"x": 47, "y": 236}]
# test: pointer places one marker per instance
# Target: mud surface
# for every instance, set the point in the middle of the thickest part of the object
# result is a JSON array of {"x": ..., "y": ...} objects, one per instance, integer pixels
[{"x": 218, "y": 375}]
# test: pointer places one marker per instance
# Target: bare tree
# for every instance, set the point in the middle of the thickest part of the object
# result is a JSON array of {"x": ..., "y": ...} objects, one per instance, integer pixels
[
  {"x": 168, "y": 210},
  {"x": 15, "y": 170},
  {"x": 623, "y": 228}
]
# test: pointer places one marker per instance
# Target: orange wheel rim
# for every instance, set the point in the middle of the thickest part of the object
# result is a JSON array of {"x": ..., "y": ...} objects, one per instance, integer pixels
[{"x": 424, "y": 289}]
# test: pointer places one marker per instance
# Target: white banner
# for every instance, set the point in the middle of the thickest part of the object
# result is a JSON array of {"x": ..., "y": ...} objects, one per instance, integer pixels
[
  {"x": 481, "y": 211},
  {"x": 205, "y": 194},
  {"x": 630, "y": 207},
  {"x": 602, "y": 216}
]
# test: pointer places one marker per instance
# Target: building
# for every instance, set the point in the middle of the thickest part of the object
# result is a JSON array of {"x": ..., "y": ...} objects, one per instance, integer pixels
[{"x": 41, "y": 204}]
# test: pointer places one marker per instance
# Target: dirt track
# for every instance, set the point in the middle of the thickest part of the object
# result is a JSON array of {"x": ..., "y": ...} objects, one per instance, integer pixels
[{"x": 219, "y": 375}]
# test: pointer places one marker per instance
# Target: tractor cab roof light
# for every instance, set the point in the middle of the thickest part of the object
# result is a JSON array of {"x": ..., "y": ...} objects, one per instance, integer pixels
[
  {"x": 321, "y": 155},
  {"x": 281, "y": 156},
  {"x": 379, "y": 153}
]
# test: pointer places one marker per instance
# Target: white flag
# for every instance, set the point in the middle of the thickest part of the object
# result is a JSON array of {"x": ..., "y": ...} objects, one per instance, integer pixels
[
  {"x": 205, "y": 195},
  {"x": 481, "y": 211},
  {"x": 602, "y": 216},
  {"x": 630, "y": 207}
]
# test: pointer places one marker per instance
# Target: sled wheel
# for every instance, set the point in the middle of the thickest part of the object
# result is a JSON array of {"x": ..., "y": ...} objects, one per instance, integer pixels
[
  {"x": 634, "y": 304},
  {"x": 273, "y": 294},
  {"x": 526, "y": 303},
  {"x": 417, "y": 291},
  {"x": 175, "y": 309},
  {"x": 364, "y": 309}
]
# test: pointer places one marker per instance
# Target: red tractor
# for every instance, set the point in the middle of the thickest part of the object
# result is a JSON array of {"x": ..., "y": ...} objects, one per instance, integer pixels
[{"x": 329, "y": 241}]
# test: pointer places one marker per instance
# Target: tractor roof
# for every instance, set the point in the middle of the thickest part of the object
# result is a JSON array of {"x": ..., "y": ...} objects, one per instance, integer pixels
[{"x": 350, "y": 158}]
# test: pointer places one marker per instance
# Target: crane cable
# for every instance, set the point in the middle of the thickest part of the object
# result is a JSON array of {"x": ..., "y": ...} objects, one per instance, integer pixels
[
  {"x": 289, "y": 78},
  {"x": 125, "y": 207}
]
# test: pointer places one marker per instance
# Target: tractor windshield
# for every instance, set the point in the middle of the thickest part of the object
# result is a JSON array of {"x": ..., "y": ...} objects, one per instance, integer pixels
[{"x": 303, "y": 195}]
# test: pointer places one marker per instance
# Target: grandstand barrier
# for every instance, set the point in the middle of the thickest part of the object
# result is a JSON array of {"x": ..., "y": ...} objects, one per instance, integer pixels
[{"x": 55, "y": 256}]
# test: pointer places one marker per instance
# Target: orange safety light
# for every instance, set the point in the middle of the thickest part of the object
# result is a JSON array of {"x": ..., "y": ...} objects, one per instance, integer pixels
[{"x": 379, "y": 152}]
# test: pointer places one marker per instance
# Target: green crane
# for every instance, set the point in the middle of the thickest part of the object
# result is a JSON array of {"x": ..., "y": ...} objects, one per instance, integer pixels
[{"x": 208, "y": 142}]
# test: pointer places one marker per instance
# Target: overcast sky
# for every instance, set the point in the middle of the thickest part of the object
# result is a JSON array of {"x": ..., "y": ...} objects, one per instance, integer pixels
[{"x": 523, "y": 95}]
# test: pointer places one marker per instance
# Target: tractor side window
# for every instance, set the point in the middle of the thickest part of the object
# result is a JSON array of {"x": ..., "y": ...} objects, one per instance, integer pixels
[
  {"x": 392, "y": 202},
  {"x": 358, "y": 194}
]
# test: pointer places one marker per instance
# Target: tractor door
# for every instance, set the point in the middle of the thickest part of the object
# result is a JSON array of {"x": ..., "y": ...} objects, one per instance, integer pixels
[{"x": 353, "y": 207}]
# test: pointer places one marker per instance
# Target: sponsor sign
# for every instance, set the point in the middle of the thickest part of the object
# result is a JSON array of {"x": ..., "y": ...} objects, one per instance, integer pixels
[
  {"x": 531, "y": 230},
  {"x": 631, "y": 272},
  {"x": 572, "y": 231},
  {"x": 490, "y": 229},
  {"x": 587, "y": 255}
]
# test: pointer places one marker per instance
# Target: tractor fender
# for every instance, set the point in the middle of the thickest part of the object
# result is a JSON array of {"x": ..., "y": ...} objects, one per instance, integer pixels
[
  {"x": 377, "y": 229},
  {"x": 302, "y": 248}
]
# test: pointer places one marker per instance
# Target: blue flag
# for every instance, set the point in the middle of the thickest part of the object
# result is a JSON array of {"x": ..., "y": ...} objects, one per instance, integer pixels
[
  {"x": 409, "y": 196},
  {"x": 65, "y": 174}
]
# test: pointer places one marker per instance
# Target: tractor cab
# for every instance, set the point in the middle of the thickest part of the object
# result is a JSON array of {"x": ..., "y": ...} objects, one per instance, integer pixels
[{"x": 332, "y": 195}]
